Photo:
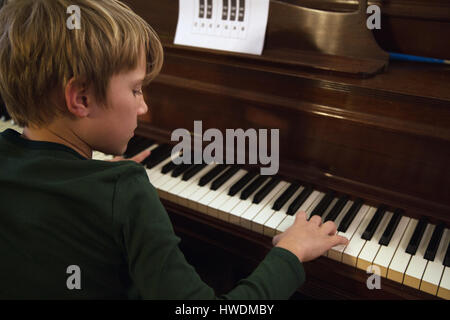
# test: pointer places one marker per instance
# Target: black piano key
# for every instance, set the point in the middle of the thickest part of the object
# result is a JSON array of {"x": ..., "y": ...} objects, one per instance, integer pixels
[
  {"x": 224, "y": 177},
  {"x": 157, "y": 152},
  {"x": 211, "y": 174},
  {"x": 340, "y": 204},
  {"x": 374, "y": 223},
  {"x": 193, "y": 171},
  {"x": 180, "y": 169},
  {"x": 168, "y": 167},
  {"x": 323, "y": 204},
  {"x": 241, "y": 10},
  {"x": 293, "y": 207},
  {"x": 233, "y": 12},
  {"x": 136, "y": 145},
  {"x": 350, "y": 215},
  {"x": 201, "y": 11},
  {"x": 417, "y": 236},
  {"x": 237, "y": 186},
  {"x": 158, "y": 155},
  {"x": 287, "y": 194},
  {"x": 225, "y": 10},
  {"x": 430, "y": 253},
  {"x": 264, "y": 191},
  {"x": 447, "y": 257},
  {"x": 248, "y": 191},
  {"x": 209, "y": 9},
  {"x": 134, "y": 141},
  {"x": 391, "y": 227}
]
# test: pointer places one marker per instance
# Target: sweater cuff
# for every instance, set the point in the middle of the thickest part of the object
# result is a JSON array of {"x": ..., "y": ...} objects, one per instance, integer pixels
[{"x": 294, "y": 263}]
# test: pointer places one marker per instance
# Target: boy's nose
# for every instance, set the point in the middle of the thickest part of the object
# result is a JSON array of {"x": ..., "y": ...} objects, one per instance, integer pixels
[{"x": 143, "y": 109}]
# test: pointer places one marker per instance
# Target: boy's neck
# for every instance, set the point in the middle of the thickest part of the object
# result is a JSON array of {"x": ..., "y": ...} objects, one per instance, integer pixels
[{"x": 67, "y": 138}]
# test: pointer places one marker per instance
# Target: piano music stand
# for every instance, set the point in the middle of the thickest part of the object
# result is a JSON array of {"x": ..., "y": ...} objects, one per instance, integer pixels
[{"x": 328, "y": 41}]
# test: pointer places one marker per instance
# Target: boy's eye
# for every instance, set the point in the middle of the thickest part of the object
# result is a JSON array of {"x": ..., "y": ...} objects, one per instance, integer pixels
[{"x": 137, "y": 92}]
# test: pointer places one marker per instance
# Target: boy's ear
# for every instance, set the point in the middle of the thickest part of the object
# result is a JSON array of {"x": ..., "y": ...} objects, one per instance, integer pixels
[{"x": 77, "y": 98}]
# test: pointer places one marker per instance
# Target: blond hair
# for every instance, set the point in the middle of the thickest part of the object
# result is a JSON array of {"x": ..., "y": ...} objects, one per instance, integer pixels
[{"x": 39, "y": 54}]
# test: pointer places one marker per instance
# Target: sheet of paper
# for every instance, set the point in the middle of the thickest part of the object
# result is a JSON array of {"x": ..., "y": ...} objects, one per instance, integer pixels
[{"x": 230, "y": 25}]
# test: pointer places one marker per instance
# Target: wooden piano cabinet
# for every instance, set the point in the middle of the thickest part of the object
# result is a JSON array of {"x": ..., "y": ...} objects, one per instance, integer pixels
[{"x": 384, "y": 138}]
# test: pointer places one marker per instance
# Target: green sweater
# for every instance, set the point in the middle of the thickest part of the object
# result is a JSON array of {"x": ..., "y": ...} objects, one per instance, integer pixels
[{"x": 76, "y": 228}]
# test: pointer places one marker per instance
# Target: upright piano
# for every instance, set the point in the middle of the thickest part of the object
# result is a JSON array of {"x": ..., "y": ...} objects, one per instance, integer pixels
[{"x": 370, "y": 152}]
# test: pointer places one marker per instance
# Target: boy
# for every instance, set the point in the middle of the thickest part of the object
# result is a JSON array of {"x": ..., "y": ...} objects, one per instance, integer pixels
[{"x": 72, "y": 227}]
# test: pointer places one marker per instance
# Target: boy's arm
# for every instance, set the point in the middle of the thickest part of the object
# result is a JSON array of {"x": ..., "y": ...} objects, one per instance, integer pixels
[{"x": 158, "y": 267}]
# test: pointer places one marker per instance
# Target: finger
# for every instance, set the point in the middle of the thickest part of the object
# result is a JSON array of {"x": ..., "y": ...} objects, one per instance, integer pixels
[
  {"x": 317, "y": 220},
  {"x": 275, "y": 239},
  {"x": 300, "y": 216},
  {"x": 141, "y": 156},
  {"x": 329, "y": 228},
  {"x": 118, "y": 158},
  {"x": 339, "y": 240}
]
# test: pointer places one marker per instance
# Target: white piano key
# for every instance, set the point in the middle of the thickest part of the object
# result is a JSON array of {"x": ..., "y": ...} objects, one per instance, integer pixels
[
  {"x": 341, "y": 214},
  {"x": 155, "y": 172},
  {"x": 371, "y": 247},
  {"x": 170, "y": 183},
  {"x": 199, "y": 194},
  {"x": 335, "y": 253},
  {"x": 257, "y": 223},
  {"x": 418, "y": 263},
  {"x": 157, "y": 178},
  {"x": 222, "y": 194},
  {"x": 173, "y": 188},
  {"x": 223, "y": 209},
  {"x": 401, "y": 258},
  {"x": 386, "y": 253},
  {"x": 237, "y": 211},
  {"x": 204, "y": 202},
  {"x": 351, "y": 252},
  {"x": 270, "y": 226},
  {"x": 184, "y": 197},
  {"x": 325, "y": 214},
  {"x": 229, "y": 204},
  {"x": 311, "y": 202},
  {"x": 307, "y": 206},
  {"x": 246, "y": 219},
  {"x": 180, "y": 187},
  {"x": 444, "y": 285},
  {"x": 435, "y": 268},
  {"x": 97, "y": 155},
  {"x": 329, "y": 208}
]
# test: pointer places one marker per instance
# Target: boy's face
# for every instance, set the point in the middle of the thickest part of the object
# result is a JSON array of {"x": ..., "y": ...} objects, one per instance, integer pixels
[{"x": 112, "y": 128}]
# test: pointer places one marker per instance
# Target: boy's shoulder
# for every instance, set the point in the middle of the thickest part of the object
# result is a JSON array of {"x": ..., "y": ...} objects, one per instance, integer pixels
[
  {"x": 123, "y": 170},
  {"x": 129, "y": 174}
]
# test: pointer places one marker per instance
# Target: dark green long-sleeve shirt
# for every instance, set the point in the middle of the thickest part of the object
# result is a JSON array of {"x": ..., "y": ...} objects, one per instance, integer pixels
[{"x": 67, "y": 221}]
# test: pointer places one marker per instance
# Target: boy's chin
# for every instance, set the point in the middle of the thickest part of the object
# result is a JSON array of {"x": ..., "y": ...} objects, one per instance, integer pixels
[{"x": 115, "y": 150}]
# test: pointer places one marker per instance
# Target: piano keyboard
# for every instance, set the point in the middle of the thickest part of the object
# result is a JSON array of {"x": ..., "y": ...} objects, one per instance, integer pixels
[{"x": 413, "y": 252}]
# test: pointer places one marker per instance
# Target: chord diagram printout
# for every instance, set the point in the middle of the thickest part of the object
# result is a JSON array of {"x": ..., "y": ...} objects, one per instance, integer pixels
[{"x": 229, "y": 25}]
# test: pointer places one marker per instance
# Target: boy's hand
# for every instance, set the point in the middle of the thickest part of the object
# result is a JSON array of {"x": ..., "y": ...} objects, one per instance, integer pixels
[
  {"x": 309, "y": 239},
  {"x": 137, "y": 158}
]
